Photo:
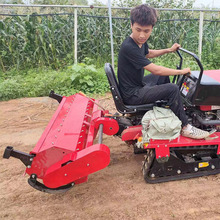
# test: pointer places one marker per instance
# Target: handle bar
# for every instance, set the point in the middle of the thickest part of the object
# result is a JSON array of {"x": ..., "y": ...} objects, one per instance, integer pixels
[{"x": 197, "y": 60}]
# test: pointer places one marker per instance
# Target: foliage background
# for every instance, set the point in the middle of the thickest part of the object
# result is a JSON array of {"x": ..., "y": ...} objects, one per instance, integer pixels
[{"x": 37, "y": 45}]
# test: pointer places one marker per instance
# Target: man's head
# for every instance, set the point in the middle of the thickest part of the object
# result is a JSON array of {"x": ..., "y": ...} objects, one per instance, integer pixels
[
  {"x": 143, "y": 18},
  {"x": 144, "y": 15}
]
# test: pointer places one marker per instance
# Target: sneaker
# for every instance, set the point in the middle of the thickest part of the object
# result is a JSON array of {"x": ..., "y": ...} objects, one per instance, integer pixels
[{"x": 194, "y": 133}]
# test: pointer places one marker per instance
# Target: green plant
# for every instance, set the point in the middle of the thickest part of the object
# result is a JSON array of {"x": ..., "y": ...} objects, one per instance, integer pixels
[
  {"x": 39, "y": 82},
  {"x": 88, "y": 79},
  {"x": 37, "y": 41}
]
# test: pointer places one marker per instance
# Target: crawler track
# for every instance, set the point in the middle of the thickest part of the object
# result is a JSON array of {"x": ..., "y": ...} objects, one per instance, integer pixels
[{"x": 183, "y": 163}]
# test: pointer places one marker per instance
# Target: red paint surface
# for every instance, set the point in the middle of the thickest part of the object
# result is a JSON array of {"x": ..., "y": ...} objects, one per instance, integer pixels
[
  {"x": 214, "y": 74},
  {"x": 65, "y": 152}
]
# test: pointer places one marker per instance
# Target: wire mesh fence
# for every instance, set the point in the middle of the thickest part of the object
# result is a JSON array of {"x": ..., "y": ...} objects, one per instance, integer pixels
[{"x": 39, "y": 36}]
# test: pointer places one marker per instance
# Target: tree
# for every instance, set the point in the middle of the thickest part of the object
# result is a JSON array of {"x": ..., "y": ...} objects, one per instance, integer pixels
[
  {"x": 170, "y": 3},
  {"x": 126, "y": 3},
  {"x": 61, "y": 2},
  {"x": 97, "y": 3},
  {"x": 11, "y": 1},
  {"x": 155, "y": 3}
]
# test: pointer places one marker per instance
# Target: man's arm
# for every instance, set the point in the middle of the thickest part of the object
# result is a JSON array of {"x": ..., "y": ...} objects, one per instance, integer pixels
[
  {"x": 157, "y": 53},
  {"x": 164, "y": 71}
]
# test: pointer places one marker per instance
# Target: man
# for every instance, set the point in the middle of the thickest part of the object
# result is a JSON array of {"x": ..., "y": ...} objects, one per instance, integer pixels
[{"x": 133, "y": 59}]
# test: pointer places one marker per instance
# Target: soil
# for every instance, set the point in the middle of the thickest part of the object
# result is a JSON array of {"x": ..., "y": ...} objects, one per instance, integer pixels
[{"x": 116, "y": 192}]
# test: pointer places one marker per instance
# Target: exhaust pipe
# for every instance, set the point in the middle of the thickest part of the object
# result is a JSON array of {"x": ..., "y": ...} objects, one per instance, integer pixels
[{"x": 207, "y": 122}]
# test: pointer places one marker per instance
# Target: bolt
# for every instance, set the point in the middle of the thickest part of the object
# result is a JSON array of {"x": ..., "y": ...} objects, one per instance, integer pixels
[
  {"x": 31, "y": 159},
  {"x": 196, "y": 169},
  {"x": 52, "y": 143},
  {"x": 33, "y": 176},
  {"x": 179, "y": 171},
  {"x": 167, "y": 156},
  {"x": 159, "y": 156},
  {"x": 88, "y": 164},
  {"x": 158, "y": 146},
  {"x": 152, "y": 175},
  {"x": 213, "y": 167},
  {"x": 165, "y": 145},
  {"x": 28, "y": 166},
  {"x": 65, "y": 174}
]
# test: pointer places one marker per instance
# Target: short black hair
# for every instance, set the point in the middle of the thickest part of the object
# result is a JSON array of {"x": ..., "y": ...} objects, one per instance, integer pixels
[{"x": 143, "y": 15}]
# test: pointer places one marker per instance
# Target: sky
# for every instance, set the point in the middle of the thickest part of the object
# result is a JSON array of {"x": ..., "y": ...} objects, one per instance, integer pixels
[
  {"x": 209, "y": 3},
  {"x": 198, "y": 3}
]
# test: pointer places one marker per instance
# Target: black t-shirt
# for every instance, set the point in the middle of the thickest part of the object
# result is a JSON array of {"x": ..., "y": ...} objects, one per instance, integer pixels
[{"x": 131, "y": 60}]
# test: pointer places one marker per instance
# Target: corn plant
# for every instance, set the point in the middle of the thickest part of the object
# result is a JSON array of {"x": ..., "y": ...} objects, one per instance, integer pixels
[{"x": 48, "y": 40}]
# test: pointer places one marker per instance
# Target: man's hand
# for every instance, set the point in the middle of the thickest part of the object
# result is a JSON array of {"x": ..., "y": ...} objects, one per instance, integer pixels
[
  {"x": 175, "y": 47},
  {"x": 186, "y": 71}
]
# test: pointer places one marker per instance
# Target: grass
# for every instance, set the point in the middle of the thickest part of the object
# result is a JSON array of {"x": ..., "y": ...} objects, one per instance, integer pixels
[
  {"x": 83, "y": 77},
  {"x": 39, "y": 82}
]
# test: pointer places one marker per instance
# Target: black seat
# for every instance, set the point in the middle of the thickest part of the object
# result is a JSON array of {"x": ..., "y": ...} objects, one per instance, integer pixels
[{"x": 120, "y": 106}]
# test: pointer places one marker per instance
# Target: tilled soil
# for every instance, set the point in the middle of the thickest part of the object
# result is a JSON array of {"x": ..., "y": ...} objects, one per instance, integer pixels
[{"x": 116, "y": 192}]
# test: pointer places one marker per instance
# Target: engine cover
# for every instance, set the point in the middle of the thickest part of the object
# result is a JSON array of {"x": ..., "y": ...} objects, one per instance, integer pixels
[{"x": 206, "y": 93}]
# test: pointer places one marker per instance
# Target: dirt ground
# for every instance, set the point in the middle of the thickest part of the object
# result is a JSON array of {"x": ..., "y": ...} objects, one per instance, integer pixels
[{"x": 116, "y": 192}]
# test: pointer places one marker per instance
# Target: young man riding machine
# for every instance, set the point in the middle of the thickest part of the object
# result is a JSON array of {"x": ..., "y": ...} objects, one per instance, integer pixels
[{"x": 133, "y": 59}]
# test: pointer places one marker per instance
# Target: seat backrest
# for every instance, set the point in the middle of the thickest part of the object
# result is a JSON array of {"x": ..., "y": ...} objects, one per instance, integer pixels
[
  {"x": 112, "y": 79},
  {"x": 115, "y": 89},
  {"x": 120, "y": 106}
]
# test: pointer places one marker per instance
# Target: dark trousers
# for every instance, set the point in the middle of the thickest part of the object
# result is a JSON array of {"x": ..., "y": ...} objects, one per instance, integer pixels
[{"x": 159, "y": 88}]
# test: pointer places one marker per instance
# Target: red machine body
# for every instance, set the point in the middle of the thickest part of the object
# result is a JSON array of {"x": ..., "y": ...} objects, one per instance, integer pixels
[
  {"x": 214, "y": 74},
  {"x": 65, "y": 153},
  {"x": 162, "y": 147}
]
